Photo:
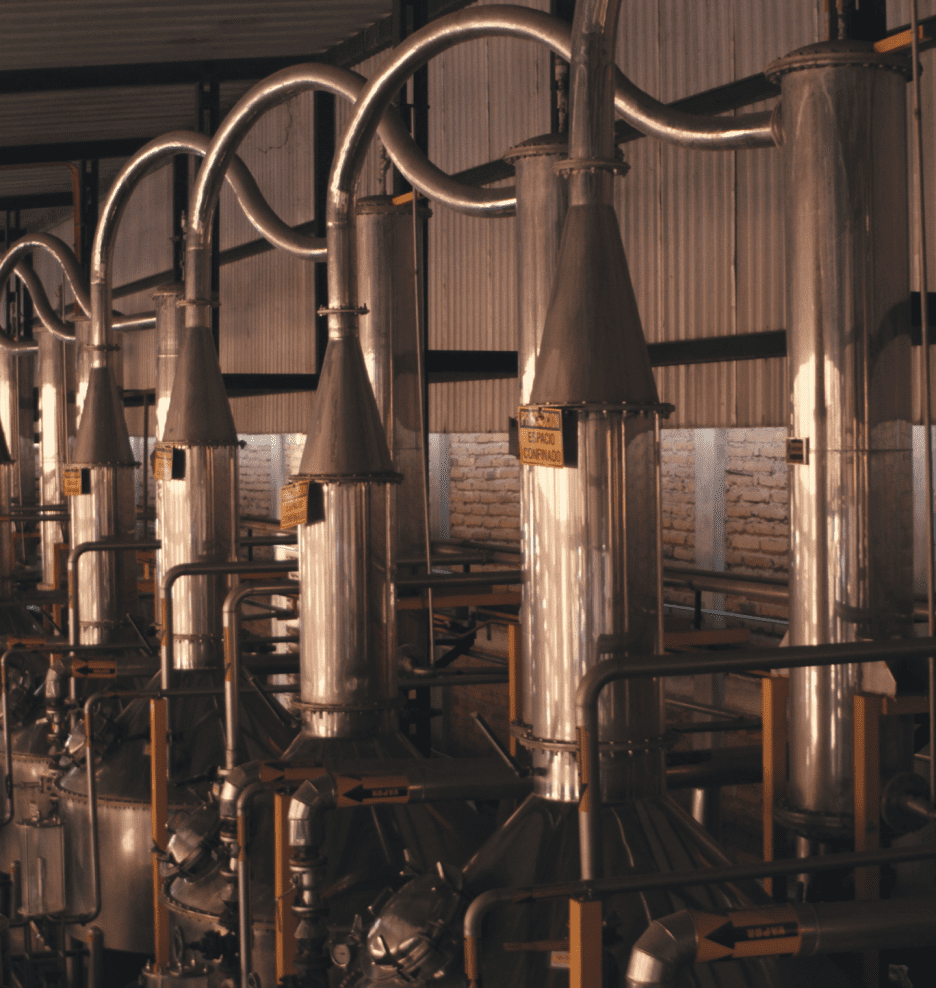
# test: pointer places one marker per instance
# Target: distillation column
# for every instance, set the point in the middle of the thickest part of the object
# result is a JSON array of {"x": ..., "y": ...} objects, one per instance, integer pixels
[{"x": 844, "y": 145}]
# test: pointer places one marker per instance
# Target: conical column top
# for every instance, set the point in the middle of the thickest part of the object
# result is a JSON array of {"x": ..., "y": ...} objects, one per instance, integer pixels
[
  {"x": 347, "y": 440},
  {"x": 4, "y": 449},
  {"x": 593, "y": 349},
  {"x": 199, "y": 411},
  {"x": 102, "y": 438}
]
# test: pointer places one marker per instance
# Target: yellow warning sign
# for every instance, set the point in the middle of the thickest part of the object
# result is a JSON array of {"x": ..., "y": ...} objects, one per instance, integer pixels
[
  {"x": 294, "y": 504},
  {"x": 539, "y": 430},
  {"x": 71, "y": 482},
  {"x": 162, "y": 463}
]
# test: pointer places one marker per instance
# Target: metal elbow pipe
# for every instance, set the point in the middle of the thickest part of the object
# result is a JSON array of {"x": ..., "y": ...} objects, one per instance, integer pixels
[
  {"x": 670, "y": 944},
  {"x": 47, "y": 315},
  {"x": 666, "y": 947}
]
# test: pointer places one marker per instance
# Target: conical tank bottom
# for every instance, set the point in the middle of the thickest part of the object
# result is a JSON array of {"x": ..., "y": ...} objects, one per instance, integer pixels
[
  {"x": 4, "y": 449},
  {"x": 539, "y": 844},
  {"x": 346, "y": 440},
  {"x": 199, "y": 412},
  {"x": 102, "y": 438},
  {"x": 593, "y": 348}
]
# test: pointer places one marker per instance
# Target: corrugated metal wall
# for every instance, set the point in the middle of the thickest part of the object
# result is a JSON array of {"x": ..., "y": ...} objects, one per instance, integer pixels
[{"x": 703, "y": 231}]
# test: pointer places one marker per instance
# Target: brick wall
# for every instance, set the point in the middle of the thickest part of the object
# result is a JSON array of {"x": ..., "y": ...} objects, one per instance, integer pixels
[
  {"x": 757, "y": 522},
  {"x": 484, "y": 488}
]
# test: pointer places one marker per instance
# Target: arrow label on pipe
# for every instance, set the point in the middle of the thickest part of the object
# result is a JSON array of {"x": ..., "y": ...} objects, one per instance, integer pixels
[
  {"x": 361, "y": 791},
  {"x": 747, "y": 933},
  {"x": 95, "y": 669}
]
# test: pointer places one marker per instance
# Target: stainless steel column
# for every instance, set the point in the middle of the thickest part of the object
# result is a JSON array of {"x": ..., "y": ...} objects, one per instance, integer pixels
[
  {"x": 387, "y": 286},
  {"x": 592, "y": 571},
  {"x": 6, "y": 524},
  {"x": 170, "y": 334},
  {"x": 542, "y": 200},
  {"x": 56, "y": 414},
  {"x": 844, "y": 144},
  {"x": 347, "y": 676},
  {"x": 196, "y": 498},
  {"x": 105, "y": 509}
]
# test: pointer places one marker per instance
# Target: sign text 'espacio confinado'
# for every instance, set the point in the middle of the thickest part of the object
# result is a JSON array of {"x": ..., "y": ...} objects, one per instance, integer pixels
[{"x": 540, "y": 436}]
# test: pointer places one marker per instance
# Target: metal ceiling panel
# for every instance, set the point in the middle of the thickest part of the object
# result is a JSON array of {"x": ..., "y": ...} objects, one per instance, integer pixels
[{"x": 58, "y": 33}]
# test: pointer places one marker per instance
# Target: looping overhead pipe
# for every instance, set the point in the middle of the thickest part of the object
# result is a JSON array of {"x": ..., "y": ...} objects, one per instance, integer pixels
[
  {"x": 141, "y": 164},
  {"x": 66, "y": 259}
]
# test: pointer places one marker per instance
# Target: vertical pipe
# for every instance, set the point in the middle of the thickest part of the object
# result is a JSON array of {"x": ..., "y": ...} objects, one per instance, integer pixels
[
  {"x": 542, "y": 200},
  {"x": 844, "y": 121},
  {"x": 386, "y": 280},
  {"x": 53, "y": 443},
  {"x": 926, "y": 390},
  {"x": 170, "y": 333}
]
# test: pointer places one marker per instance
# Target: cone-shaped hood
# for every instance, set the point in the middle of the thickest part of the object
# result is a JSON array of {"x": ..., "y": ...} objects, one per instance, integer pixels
[
  {"x": 347, "y": 439},
  {"x": 199, "y": 411},
  {"x": 4, "y": 449},
  {"x": 102, "y": 438},
  {"x": 593, "y": 348}
]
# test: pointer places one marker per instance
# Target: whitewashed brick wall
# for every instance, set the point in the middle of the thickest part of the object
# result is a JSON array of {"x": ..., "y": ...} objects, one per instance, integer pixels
[{"x": 484, "y": 488}]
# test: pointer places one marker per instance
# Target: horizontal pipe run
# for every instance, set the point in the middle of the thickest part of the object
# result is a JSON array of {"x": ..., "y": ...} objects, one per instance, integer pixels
[
  {"x": 714, "y": 726},
  {"x": 468, "y": 679},
  {"x": 656, "y": 881},
  {"x": 201, "y": 569},
  {"x": 73, "y": 558},
  {"x": 437, "y": 580},
  {"x": 703, "y": 708},
  {"x": 232, "y": 659},
  {"x": 287, "y": 538},
  {"x": 648, "y": 666}
]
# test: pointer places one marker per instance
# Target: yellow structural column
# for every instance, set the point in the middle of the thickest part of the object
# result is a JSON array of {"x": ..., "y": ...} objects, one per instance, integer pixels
[
  {"x": 159, "y": 768},
  {"x": 584, "y": 943}
]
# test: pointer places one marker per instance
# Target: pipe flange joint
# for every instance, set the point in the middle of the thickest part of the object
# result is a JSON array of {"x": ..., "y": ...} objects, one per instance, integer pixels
[
  {"x": 389, "y": 477},
  {"x": 816, "y": 826},
  {"x": 634, "y": 746},
  {"x": 213, "y": 303},
  {"x": 838, "y": 53},
  {"x": 353, "y": 310},
  {"x": 100, "y": 347},
  {"x": 349, "y": 708},
  {"x": 593, "y": 165}
]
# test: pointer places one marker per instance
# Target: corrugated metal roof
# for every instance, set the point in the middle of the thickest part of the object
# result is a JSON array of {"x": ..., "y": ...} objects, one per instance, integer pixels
[{"x": 59, "y": 33}]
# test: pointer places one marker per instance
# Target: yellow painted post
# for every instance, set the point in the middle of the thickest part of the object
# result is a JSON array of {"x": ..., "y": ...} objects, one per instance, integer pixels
[
  {"x": 774, "y": 693},
  {"x": 514, "y": 686},
  {"x": 284, "y": 890},
  {"x": 868, "y": 707},
  {"x": 159, "y": 767},
  {"x": 584, "y": 943}
]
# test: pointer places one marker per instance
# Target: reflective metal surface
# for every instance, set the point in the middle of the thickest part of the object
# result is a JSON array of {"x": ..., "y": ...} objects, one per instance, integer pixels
[
  {"x": 196, "y": 521},
  {"x": 387, "y": 283},
  {"x": 56, "y": 422},
  {"x": 6, "y": 526},
  {"x": 591, "y": 567},
  {"x": 542, "y": 200},
  {"x": 849, "y": 353},
  {"x": 170, "y": 333},
  {"x": 107, "y": 581},
  {"x": 347, "y": 682}
]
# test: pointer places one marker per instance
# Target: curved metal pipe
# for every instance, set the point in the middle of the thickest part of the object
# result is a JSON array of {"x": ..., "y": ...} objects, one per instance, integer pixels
[
  {"x": 231, "y": 623},
  {"x": 199, "y": 569},
  {"x": 636, "y": 107},
  {"x": 647, "y": 666},
  {"x": 672, "y": 943},
  {"x": 248, "y": 195},
  {"x": 66, "y": 259},
  {"x": 47, "y": 315}
]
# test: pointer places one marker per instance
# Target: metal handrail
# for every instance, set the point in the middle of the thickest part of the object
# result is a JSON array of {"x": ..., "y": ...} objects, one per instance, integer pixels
[{"x": 623, "y": 666}]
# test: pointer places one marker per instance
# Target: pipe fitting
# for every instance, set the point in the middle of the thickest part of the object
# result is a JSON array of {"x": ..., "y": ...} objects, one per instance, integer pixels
[
  {"x": 661, "y": 953},
  {"x": 235, "y": 782},
  {"x": 307, "y": 811}
]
